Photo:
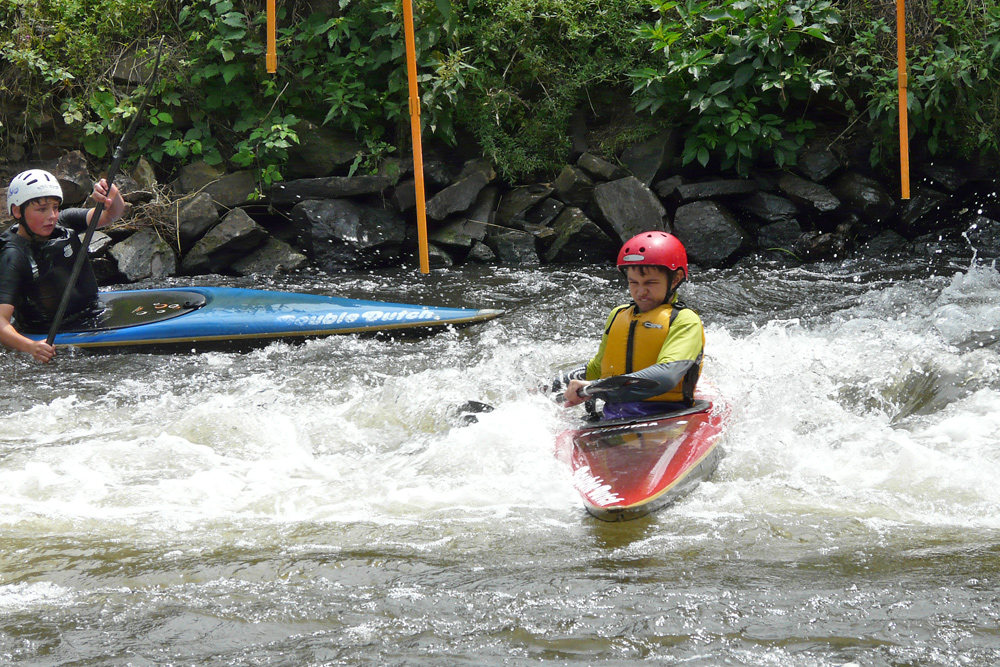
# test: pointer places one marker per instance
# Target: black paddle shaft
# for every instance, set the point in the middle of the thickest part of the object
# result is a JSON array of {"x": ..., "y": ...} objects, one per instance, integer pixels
[
  {"x": 119, "y": 154},
  {"x": 616, "y": 382},
  {"x": 467, "y": 411}
]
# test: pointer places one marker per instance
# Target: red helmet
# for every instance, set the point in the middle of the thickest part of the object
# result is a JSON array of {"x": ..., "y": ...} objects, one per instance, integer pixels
[{"x": 654, "y": 249}]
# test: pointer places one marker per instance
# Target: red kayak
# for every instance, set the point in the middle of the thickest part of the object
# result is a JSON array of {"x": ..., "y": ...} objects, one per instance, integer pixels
[{"x": 627, "y": 468}]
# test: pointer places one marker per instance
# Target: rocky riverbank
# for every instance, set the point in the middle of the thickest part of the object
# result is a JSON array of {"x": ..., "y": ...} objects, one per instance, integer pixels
[{"x": 209, "y": 221}]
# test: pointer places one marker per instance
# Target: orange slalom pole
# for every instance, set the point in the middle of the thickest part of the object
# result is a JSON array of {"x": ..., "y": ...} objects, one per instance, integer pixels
[
  {"x": 904, "y": 133},
  {"x": 418, "y": 157},
  {"x": 272, "y": 51}
]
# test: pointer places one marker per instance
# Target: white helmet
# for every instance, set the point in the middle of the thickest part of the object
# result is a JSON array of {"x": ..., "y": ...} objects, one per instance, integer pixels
[{"x": 32, "y": 184}]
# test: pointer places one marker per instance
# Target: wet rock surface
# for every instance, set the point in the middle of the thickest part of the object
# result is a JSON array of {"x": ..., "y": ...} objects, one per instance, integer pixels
[{"x": 208, "y": 220}]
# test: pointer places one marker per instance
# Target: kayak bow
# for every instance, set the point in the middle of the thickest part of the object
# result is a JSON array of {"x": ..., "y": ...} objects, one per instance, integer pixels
[{"x": 627, "y": 468}]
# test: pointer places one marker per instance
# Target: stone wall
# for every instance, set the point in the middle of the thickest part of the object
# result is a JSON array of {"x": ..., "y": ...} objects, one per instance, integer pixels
[{"x": 209, "y": 221}]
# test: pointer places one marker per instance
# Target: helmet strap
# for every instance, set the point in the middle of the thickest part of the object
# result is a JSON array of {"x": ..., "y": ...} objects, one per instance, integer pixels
[{"x": 671, "y": 291}]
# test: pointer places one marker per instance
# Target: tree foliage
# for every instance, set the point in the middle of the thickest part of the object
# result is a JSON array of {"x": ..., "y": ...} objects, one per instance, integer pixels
[
  {"x": 740, "y": 72},
  {"x": 742, "y": 79}
]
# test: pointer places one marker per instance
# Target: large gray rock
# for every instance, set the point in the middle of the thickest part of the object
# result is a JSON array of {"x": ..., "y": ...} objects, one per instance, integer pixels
[
  {"x": 545, "y": 212},
  {"x": 600, "y": 169},
  {"x": 74, "y": 178},
  {"x": 232, "y": 190},
  {"x": 404, "y": 195},
  {"x": 341, "y": 234},
  {"x": 272, "y": 258},
  {"x": 768, "y": 207},
  {"x": 922, "y": 212},
  {"x": 461, "y": 194},
  {"x": 687, "y": 192},
  {"x": 818, "y": 245},
  {"x": 439, "y": 258},
  {"x": 463, "y": 230},
  {"x": 808, "y": 194},
  {"x": 196, "y": 176},
  {"x": 579, "y": 240},
  {"x": 144, "y": 174},
  {"x": 404, "y": 190},
  {"x": 332, "y": 187},
  {"x": 14, "y": 151},
  {"x": 229, "y": 241},
  {"x": 783, "y": 235},
  {"x": 320, "y": 151},
  {"x": 144, "y": 255},
  {"x": 984, "y": 236},
  {"x": 544, "y": 236},
  {"x": 710, "y": 233},
  {"x": 938, "y": 247},
  {"x": 514, "y": 205},
  {"x": 866, "y": 197},
  {"x": 818, "y": 163},
  {"x": 514, "y": 247},
  {"x": 481, "y": 254},
  {"x": 437, "y": 174},
  {"x": 227, "y": 190},
  {"x": 483, "y": 210},
  {"x": 668, "y": 186},
  {"x": 194, "y": 215},
  {"x": 948, "y": 176},
  {"x": 886, "y": 244},
  {"x": 133, "y": 67},
  {"x": 628, "y": 207},
  {"x": 645, "y": 159},
  {"x": 459, "y": 233},
  {"x": 573, "y": 186},
  {"x": 100, "y": 243}
]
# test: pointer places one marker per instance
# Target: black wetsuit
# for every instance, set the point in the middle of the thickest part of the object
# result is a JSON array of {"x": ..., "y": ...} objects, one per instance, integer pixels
[{"x": 34, "y": 274}]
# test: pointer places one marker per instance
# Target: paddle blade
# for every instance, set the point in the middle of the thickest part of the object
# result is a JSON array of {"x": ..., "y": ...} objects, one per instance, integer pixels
[{"x": 466, "y": 413}]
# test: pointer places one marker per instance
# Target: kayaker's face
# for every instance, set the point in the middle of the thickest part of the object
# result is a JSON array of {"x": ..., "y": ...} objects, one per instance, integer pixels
[
  {"x": 40, "y": 215},
  {"x": 648, "y": 286}
]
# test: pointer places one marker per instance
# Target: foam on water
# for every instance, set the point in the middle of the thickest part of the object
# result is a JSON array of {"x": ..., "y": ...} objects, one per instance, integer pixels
[
  {"x": 321, "y": 503},
  {"x": 16, "y": 597},
  {"x": 175, "y": 453},
  {"x": 875, "y": 413},
  {"x": 874, "y": 410}
]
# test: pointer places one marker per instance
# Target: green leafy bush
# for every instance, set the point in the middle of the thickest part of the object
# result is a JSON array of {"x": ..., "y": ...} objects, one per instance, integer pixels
[
  {"x": 532, "y": 64},
  {"x": 953, "y": 82},
  {"x": 50, "y": 51},
  {"x": 742, "y": 79},
  {"x": 738, "y": 73}
]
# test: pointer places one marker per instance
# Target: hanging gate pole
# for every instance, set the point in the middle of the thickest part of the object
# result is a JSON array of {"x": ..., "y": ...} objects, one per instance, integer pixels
[
  {"x": 272, "y": 51},
  {"x": 904, "y": 133},
  {"x": 418, "y": 158}
]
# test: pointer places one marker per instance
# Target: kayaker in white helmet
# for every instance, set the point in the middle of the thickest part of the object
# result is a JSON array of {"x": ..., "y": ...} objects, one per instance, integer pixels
[
  {"x": 655, "y": 338},
  {"x": 37, "y": 255}
]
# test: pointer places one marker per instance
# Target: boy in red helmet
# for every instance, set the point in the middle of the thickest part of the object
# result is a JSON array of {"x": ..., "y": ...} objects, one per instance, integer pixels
[
  {"x": 655, "y": 338},
  {"x": 37, "y": 255}
]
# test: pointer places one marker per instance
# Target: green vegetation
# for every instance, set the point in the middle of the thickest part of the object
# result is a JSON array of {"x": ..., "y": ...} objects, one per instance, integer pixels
[
  {"x": 533, "y": 63},
  {"x": 740, "y": 72},
  {"x": 747, "y": 82},
  {"x": 953, "y": 58}
]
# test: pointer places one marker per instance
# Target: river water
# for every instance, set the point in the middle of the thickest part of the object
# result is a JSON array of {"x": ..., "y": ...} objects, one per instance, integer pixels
[{"x": 317, "y": 504}]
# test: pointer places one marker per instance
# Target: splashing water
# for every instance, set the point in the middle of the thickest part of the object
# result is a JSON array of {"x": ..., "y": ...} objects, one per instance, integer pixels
[{"x": 318, "y": 504}]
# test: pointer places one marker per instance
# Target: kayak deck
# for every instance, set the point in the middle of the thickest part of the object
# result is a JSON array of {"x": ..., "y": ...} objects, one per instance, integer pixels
[
  {"x": 625, "y": 469},
  {"x": 225, "y": 315}
]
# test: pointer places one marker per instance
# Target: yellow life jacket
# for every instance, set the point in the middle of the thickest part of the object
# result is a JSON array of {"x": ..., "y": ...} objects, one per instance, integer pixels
[{"x": 634, "y": 341}]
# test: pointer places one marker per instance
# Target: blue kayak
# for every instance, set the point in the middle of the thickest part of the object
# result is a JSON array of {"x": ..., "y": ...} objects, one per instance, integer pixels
[{"x": 220, "y": 315}]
